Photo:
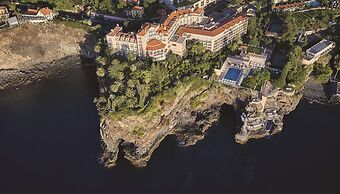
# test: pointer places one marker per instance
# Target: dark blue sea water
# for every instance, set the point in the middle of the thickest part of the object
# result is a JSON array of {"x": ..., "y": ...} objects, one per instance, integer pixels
[{"x": 50, "y": 144}]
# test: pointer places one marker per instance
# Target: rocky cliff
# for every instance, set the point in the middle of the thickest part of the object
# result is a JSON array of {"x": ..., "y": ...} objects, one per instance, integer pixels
[
  {"x": 187, "y": 115},
  {"x": 31, "y": 52}
]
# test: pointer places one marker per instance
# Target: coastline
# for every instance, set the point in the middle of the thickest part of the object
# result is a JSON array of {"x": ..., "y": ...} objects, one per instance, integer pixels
[
  {"x": 188, "y": 124},
  {"x": 49, "y": 53},
  {"x": 14, "y": 78}
]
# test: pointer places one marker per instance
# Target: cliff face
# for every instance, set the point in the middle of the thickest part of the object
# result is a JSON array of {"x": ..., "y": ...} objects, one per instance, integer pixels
[
  {"x": 187, "y": 115},
  {"x": 32, "y": 52}
]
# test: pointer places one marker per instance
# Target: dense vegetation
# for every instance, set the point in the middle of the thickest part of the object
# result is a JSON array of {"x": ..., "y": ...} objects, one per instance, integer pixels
[
  {"x": 294, "y": 73},
  {"x": 134, "y": 82},
  {"x": 322, "y": 72},
  {"x": 256, "y": 79}
]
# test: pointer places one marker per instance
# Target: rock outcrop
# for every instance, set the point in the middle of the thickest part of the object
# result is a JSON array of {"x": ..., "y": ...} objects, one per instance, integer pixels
[
  {"x": 32, "y": 52},
  {"x": 187, "y": 115}
]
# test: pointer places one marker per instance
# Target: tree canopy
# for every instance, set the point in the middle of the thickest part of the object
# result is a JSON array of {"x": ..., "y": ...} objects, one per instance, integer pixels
[{"x": 133, "y": 82}]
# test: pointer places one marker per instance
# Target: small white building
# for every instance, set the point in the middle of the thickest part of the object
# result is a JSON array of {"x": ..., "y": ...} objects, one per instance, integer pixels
[
  {"x": 318, "y": 50},
  {"x": 46, "y": 12},
  {"x": 36, "y": 16},
  {"x": 13, "y": 21}
]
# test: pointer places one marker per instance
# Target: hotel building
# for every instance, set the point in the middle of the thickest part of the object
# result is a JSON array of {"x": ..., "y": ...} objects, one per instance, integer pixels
[
  {"x": 318, "y": 50},
  {"x": 156, "y": 40}
]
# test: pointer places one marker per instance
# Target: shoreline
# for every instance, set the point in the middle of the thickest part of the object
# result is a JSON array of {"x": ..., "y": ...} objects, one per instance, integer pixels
[
  {"x": 187, "y": 123},
  {"x": 16, "y": 78}
]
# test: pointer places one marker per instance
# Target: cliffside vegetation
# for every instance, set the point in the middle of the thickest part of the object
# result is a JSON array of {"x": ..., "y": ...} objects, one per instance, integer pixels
[
  {"x": 322, "y": 72},
  {"x": 131, "y": 84},
  {"x": 294, "y": 73},
  {"x": 256, "y": 79}
]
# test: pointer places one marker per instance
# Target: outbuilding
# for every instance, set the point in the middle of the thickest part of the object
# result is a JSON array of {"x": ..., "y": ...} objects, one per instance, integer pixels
[{"x": 13, "y": 21}]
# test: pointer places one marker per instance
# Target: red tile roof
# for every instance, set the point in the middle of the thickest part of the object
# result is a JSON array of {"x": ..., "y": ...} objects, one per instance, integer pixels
[
  {"x": 137, "y": 8},
  {"x": 154, "y": 44},
  {"x": 31, "y": 11},
  {"x": 173, "y": 17},
  {"x": 213, "y": 32},
  {"x": 45, "y": 11},
  {"x": 116, "y": 32},
  {"x": 289, "y": 5},
  {"x": 142, "y": 31}
]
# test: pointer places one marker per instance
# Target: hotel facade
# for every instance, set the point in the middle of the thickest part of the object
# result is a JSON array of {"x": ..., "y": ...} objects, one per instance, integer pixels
[{"x": 157, "y": 40}]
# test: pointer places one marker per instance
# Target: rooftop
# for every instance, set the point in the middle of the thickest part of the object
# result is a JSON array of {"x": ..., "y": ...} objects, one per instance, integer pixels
[
  {"x": 215, "y": 31},
  {"x": 288, "y": 5},
  {"x": 145, "y": 27},
  {"x": 116, "y": 32},
  {"x": 12, "y": 20},
  {"x": 45, "y": 11},
  {"x": 178, "y": 39},
  {"x": 154, "y": 44},
  {"x": 137, "y": 8},
  {"x": 320, "y": 46},
  {"x": 174, "y": 16},
  {"x": 31, "y": 11}
]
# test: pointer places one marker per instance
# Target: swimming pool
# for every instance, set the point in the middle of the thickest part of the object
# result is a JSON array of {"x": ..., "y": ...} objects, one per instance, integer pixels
[{"x": 232, "y": 74}]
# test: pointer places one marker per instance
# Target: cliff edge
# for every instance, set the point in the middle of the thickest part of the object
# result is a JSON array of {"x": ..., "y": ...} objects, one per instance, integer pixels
[
  {"x": 34, "y": 51},
  {"x": 186, "y": 113}
]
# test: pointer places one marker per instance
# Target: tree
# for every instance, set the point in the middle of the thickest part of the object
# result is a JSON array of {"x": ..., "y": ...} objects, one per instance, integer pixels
[
  {"x": 290, "y": 28},
  {"x": 197, "y": 48},
  {"x": 293, "y": 72},
  {"x": 133, "y": 83},
  {"x": 98, "y": 47},
  {"x": 131, "y": 57},
  {"x": 100, "y": 72},
  {"x": 257, "y": 78},
  {"x": 101, "y": 60},
  {"x": 252, "y": 27},
  {"x": 233, "y": 46},
  {"x": 322, "y": 72}
]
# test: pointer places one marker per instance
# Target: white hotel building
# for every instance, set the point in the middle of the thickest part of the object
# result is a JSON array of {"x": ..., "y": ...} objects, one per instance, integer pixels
[
  {"x": 156, "y": 40},
  {"x": 318, "y": 50}
]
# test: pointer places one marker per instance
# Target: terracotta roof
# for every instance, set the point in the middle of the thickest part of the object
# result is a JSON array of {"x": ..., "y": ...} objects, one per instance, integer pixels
[
  {"x": 289, "y": 5},
  {"x": 213, "y": 32},
  {"x": 199, "y": 10},
  {"x": 154, "y": 44},
  {"x": 114, "y": 31},
  {"x": 126, "y": 37},
  {"x": 45, "y": 11},
  {"x": 143, "y": 29},
  {"x": 31, "y": 11},
  {"x": 137, "y": 8},
  {"x": 174, "y": 16}
]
